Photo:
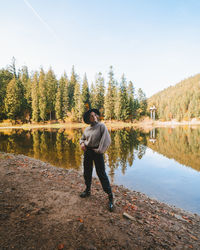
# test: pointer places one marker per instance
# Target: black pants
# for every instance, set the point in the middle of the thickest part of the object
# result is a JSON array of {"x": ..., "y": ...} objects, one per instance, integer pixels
[{"x": 89, "y": 157}]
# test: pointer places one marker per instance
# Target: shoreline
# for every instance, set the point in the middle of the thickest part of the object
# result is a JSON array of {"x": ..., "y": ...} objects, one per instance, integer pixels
[
  {"x": 112, "y": 125},
  {"x": 41, "y": 203}
]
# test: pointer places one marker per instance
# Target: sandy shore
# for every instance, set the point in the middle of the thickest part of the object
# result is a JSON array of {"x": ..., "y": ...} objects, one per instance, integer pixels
[{"x": 41, "y": 209}]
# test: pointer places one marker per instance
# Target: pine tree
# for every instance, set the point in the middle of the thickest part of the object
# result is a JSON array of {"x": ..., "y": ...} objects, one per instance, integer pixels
[
  {"x": 123, "y": 104},
  {"x": 72, "y": 84},
  {"x": 137, "y": 108},
  {"x": 99, "y": 93},
  {"x": 13, "y": 100},
  {"x": 66, "y": 103},
  {"x": 26, "y": 82},
  {"x": 35, "y": 98},
  {"x": 42, "y": 95},
  {"x": 58, "y": 106},
  {"x": 110, "y": 97},
  {"x": 22, "y": 99},
  {"x": 24, "y": 75},
  {"x": 5, "y": 78},
  {"x": 60, "y": 97},
  {"x": 12, "y": 67},
  {"x": 85, "y": 94},
  {"x": 142, "y": 102},
  {"x": 78, "y": 104},
  {"x": 92, "y": 95},
  {"x": 117, "y": 106},
  {"x": 131, "y": 106},
  {"x": 51, "y": 83}
]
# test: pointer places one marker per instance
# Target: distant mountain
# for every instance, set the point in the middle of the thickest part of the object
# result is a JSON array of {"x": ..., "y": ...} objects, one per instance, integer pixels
[{"x": 180, "y": 102}]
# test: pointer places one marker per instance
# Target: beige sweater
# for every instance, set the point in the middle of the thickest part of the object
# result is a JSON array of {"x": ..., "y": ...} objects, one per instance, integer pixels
[{"x": 96, "y": 136}]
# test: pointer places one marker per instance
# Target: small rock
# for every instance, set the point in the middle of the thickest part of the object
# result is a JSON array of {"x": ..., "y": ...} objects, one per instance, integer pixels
[{"x": 128, "y": 216}]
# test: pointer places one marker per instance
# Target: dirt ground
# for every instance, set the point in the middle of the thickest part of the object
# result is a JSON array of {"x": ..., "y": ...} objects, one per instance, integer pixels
[{"x": 40, "y": 208}]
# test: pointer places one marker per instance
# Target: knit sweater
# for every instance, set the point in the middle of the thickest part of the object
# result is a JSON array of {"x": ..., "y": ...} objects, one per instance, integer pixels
[{"x": 97, "y": 137}]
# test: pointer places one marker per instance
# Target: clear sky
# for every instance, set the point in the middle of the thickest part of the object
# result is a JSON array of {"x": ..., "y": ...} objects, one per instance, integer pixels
[{"x": 155, "y": 43}]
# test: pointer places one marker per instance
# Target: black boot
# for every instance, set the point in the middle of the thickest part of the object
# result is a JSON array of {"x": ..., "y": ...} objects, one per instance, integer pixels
[
  {"x": 110, "y": 203},
  {"x": 85, "y": 193}
]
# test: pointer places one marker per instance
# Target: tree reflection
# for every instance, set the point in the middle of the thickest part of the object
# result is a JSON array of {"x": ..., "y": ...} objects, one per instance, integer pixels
[
  {"x": 124, "y": 148},
  {"x": 61, "y": 147},
  {"x": 36, "y": 144},
  {"x": 180, "y": 143}
]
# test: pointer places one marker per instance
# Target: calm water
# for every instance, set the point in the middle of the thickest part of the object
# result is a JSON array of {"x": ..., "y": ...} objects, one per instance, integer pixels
[{"x": 162, "y": 163}]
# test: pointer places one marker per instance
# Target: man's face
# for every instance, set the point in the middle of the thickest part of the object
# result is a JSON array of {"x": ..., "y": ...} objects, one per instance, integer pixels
[{"x": 93, "y": 117}]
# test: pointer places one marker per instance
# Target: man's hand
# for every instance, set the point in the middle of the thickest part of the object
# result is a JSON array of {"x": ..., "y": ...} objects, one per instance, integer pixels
[{"x": 83, "y": 147}]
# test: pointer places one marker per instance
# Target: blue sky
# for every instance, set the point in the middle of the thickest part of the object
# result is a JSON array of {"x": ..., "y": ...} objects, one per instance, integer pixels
[{"x": 155, "y": 43}]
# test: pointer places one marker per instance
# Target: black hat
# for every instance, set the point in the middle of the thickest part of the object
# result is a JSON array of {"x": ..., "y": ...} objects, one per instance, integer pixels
[{"x": 86, "y": 116}]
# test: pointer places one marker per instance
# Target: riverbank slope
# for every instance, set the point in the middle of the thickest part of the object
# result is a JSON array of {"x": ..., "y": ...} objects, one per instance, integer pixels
[{"x": 41, "y": 209}]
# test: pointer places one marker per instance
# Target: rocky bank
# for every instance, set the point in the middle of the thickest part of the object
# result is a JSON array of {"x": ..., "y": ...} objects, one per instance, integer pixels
[{"x": 40, "y": 208}]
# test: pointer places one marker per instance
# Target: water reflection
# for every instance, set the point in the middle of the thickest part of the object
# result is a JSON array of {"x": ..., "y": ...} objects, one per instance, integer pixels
[
  {"x": 58, "y": 147},
  {"x": 152, "y": 135},
  {"x": 179, "y": 143},
  {"x": 61, "y": 147},
  {"x": 126, "y": 145}
]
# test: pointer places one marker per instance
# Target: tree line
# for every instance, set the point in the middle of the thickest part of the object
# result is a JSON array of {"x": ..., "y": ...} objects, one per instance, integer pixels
[
  {"x": 180, "y": 102},
  {"x": 40, "y": 96}
]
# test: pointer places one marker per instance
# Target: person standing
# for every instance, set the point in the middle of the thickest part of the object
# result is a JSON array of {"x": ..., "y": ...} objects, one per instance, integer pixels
[{"x": 94, "y": 142}]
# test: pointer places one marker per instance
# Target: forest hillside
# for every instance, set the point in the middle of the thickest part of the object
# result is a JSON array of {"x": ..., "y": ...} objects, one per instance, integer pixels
[{"x": 180, "y": 102}]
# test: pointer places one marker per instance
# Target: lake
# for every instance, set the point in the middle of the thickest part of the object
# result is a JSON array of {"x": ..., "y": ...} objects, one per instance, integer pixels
[{"x": 163, "y": 163}]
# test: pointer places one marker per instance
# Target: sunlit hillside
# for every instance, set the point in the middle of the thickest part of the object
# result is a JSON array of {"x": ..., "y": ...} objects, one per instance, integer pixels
[{"x": 180, "y": 102}]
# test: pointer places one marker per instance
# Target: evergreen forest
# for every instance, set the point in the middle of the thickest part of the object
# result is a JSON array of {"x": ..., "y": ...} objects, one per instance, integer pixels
[
  {"x": 41, "y": 97},
  {"x": 179, "y": 102}
]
